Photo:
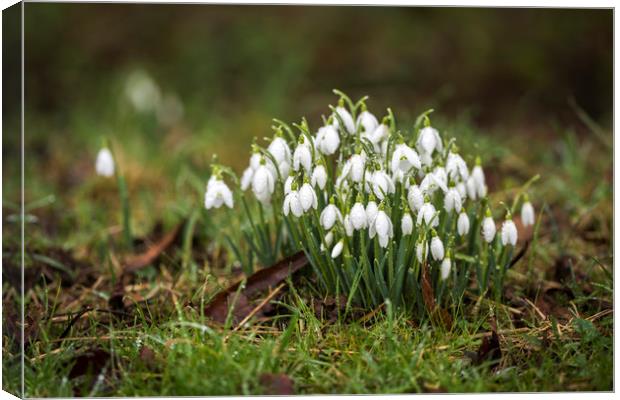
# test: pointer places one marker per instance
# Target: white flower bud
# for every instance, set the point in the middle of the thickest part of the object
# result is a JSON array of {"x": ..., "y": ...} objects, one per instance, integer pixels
[
  {"x": 348, "y": 226},
  {"x": 437, "y": 248},
  {"x": 307, "y": 197},
  {"x": 456, "y": 167},
  {"x": 406, "y": 224},
  {"x": 382, "y": 184},
  {"x": 415, "y": 198},
  {"x": 358, "y": 216},
  {"x": 429, "y": 140},
  {"x": 329, "y": 238},
  {"x": 527, "y": 214},
  {"x": 509, "y": 233},
  {"x": 488, "y": 229},
  {"x": 104, "y": 165},
  {"x": 478, "y": 175},
  {"x": 246, "y": 178},
  {"x": 446, "y": 265},
  {"x": 319, "y": 177},
  {"x": 382, "y": 227},
  {"x": 337, "y": 250},
  {"x": 358, "y": 162},
  {"x": 279, "y": 150},
  {"x": 263, "y": 184},
  {"x": 462, "y": 224},
  {"x": 328, "y": 217},
  {"x": 472, "y": 192},
  {"x": 371, "y": 211},
  {"x": 346, "y": 118},
  {"x": 368, "y": 122},
  {"x": 404, "y": 158},
  {"x": 427, "y": 215},
  {"x": 302, "y": 157},
  {"x": 327, "y": 140}
]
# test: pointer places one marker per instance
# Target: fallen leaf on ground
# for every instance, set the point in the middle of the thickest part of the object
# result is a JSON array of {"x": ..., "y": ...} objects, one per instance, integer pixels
[
  {"x": 138, "y": 261},
  {"x": 276, "y": 384},
  {"x": 217, "y": 309},
  {"x": 428, "y": 295}
]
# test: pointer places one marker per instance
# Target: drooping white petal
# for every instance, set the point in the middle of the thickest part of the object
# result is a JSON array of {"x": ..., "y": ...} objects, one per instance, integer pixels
[
  {"x": 307, "y": 197},
  {"x": 346, "y": 118},
  {"x": 456, "y": 167},
  {"x": 319, "y": 177},
  {"x": 337, "y": 250},
  {"x": 371, "y": 211},
  {"x": 348, "y": 226},
  {"x": 452, "y": 200},
  {"x": 446, "y": 265},
  {"x": 288, "y": 185},
  {"x": 415, "y": 198},
  {"x": 509, "y": 233},
  {"x": 527, "y": 214},
  {"x": 246, "y": 178},
  {"x": 472, "y": 193},
  {"x": 382, "y": 184},
  {"x": 427, "y": 215},
  {"x": 429, "y": 140},
  {"x": 104, "y": 164},
  {"x": 488, "y": 229},
  {"x": 462, "y": 224},
  {"x": 327, "y": 140},
  {"x": 279, "y": 150},
  {"x": 406, "y": 224},
  {"x": 404, "y": 158},
  {"x": 437, "y": 248},
  {"x": 302, "y": 157},
  {"x": 329, "y": 215},
  {"x": 217, "y": 194},
  {"x": 358, "y": 216},
  {"x": 358, "y": 163}
]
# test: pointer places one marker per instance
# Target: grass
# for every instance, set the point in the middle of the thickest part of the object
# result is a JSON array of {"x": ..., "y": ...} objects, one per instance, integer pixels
[{"x": 555, "y": 328}]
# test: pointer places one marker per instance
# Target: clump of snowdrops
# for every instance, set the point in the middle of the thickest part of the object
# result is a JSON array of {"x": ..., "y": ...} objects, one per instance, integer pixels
[{"x": 372, "y": 206}]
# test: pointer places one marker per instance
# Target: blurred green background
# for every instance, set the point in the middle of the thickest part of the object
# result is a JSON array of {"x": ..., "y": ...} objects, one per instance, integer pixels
[{"x": 174, "y": 84}]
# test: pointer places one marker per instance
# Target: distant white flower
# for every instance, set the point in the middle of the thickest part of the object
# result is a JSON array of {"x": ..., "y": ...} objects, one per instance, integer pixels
[
  {"x": 346, "y": 118},
  {"x": 263, "y": 184},
  {"x": 292, "y": 204},
  {"x": 421, "y": 251},
  {"x": 142, "y": 91},
  {"x": 446, "y": 265},
  {"x": 437, "y": 248},
  {"x": 456, "y": 167},
  {"x": 382, "y": 227},
  {"x": 371, "y": 211},
  {"x": 246, "y": 178},
  {"x": 406, "y": 224},
  {"x": 329, "y": 238},
  {"x": 404, "y": 158},
  {"x": 462, "y": 224},
  {"x": 472, "y": 191},
  {"x": 327, "y": 140},
  {"x": 337, "y": 250},
  {"x": 217, "y": 193},
  {"x": 319, "y": 177},
  {"x": 348, "y": 226},
  {"x": 382, "y": 184},
  {"x": 478, "y": 174},
  {"x": 329, "y": 215},
  {"x": 358, "y": 163},
  {"x": 358, "y": 216},
  {"x": 509, "y": 233},
  {"x": 307, "y": 197},
  {"x": 368, "y": 122},
  {"x": 427, "y": 215},
  {"x": 415, "y": 198},
  {"x": 302, "y": 157},
  {"x": 104, "y": 165},
  {"x": 527, "y": 214},
  {"x": 429, "y": 141},
  {"x": 488, "y": 229},
  {"x": 452, "y": 200}
]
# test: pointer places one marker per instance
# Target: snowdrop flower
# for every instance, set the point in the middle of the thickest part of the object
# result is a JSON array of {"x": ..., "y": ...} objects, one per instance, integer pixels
[
  {"x": 446, "y": 265},
  {"x": 452, "y": 200},
  {"x": 357, "y": 163},
  {"x": 319, "y": 176},
  {"x": 346, "y": 118},
  {"x": 279, "y": 149},
  {"x": 307, "y": 197},
  {"x": 509, "y": 232},
  {"x": 429, "y": 140},
  {"x": 421, "y": 251},
  {"x": 288, "y": 184},
  {"x": 527, "y": 213},
  {"x": 382, "y": 184},
  {"x": 462, "y": 189},
  {"x": 432, "y": 182},
  {"x": 104, "y": 165},
  {"x": 358, "y": 216},
  {"x": 478, "y": 175},
  {"x": 371, "y": 211},
  {"x": 327, "y": 140},
  {"x": 427, "y": 215},
  {"x": 380, "y": 133},
  {"x": 348, "y": 226},
  {"x": 472, "y": 191},
  {"x": 263, "y": 184},
  {"x": 415, "y": 198},
  {"x": 329, "y": 215},
  {"x": 382, "y": 227},
  {"x": 406, "y": 224},
  {"x": 246, "y": 178},
  {"x": 404, "y": 158},
  {"x": 488, "y": 228},
  {"x": 462, "y": 224},
  {"x": 292, "y": 204},
  {"x": 368, "y": 122},
  {"x": 437, "y": 250},
  {"x": 255, "y": 160},
  {"x": 456, "y": 167},
  {"x": 337, "y": 250},
  {"x": 329, "y": 238},
  {"x": 217, "y": 193},
  {"x": 302, "y": 157}
]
